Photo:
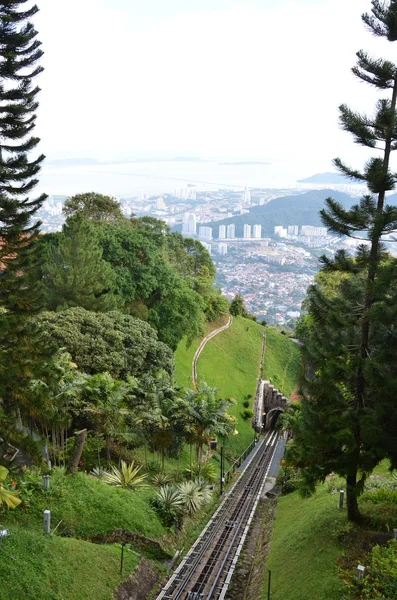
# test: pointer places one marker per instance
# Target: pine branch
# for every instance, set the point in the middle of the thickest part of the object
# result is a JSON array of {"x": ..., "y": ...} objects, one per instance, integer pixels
[
  {"x": 375, "y": 71},
  {"x": 383, "y": 21}
]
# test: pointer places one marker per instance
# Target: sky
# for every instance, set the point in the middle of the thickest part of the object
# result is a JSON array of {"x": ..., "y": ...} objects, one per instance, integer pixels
[{"x": 248, "y": 79}]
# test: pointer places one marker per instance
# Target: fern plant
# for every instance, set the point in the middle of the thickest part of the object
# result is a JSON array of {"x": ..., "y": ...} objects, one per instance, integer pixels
[{"x": 129, "y": 477}]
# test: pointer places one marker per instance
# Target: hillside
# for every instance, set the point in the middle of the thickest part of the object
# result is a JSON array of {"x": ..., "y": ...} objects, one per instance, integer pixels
[
  {"x": 230, "y": 362},
  {"x": 298, "y": 209}
]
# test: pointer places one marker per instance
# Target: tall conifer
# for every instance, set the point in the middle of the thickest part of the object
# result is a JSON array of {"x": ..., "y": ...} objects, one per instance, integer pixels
[
  {"x": 19, "y": 55},
  {"x": 348, "y": 393}
]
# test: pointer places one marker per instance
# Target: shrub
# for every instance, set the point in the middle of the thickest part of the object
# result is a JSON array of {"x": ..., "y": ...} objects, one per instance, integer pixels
[
  {"x": 128, "y": 477},
  {"x": 246, "y": 403},
  {"x": 207, "y": 471},
  {"x": 247, "y": 414},
  {"x": 380, "y": 580},
  {"x": 169, "y": 505},
  {"x": 99, "y": 472},
  {"x": 160, "y": 480},
  {"x": 382, "y": 496},
  {"x": 191, "y": 495}
]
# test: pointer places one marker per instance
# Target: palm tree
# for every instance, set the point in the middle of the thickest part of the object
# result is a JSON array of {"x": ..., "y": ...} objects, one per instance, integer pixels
[
  {"x": 106, "y": 400},
  {"x": 208, "y": 417},
  {"x": 52, "y": 401},
  {"x": 161, "y": 410}
]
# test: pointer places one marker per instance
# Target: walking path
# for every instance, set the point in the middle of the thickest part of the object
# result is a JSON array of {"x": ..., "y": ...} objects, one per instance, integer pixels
[{"x": 201, "y": 348}]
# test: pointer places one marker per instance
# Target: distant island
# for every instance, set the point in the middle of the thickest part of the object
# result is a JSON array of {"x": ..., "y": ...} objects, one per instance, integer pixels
[
  {"x": 326, "y": 178},
  {"x": 245, "y": 162}
]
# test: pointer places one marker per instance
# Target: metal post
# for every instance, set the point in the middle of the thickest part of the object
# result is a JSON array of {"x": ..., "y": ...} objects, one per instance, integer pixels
[
  {"x": 122, "y": 553},
  {"x": 341, "y": 496},
  {"x": 360, "y": 571},
  {"x": 47, "y": 521},
  {"x": 268, "y": 585},
  {"x": 221, "y": 479},
  {"x": 46, "y": 482}
]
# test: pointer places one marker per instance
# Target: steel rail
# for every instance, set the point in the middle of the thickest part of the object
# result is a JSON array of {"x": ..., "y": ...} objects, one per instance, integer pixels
[
  {"x": 207, "y": 536},
  {"x": 223, "y": 530}
]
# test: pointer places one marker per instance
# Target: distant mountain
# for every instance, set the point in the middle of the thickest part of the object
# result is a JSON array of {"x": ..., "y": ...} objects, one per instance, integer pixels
[
  {"x": 301, "y": 209},
  {"x": 245, "y": 162},
  {"x": 326, "y": 178}
]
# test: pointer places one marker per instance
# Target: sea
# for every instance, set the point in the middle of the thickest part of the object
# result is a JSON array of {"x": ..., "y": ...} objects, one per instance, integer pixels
[{"x": 157, "y": 177}]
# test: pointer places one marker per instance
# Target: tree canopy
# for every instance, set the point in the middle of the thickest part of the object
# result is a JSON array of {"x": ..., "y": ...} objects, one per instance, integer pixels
[{"x": 99, "y": 342}]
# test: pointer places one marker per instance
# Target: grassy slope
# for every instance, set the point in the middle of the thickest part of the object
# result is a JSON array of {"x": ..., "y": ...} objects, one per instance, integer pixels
[
  {"x": 304, "y": 549},
  {"x": 230, "y": 362},
  {"x": 282, "y": 361},
  {"x": 91, "y": 507},
  {"x": 38, "y": 566}
]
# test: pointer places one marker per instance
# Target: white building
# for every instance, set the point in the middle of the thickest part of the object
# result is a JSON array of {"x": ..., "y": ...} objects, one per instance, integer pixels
[
  {"x": 189, "y": 226},
  {"x": 231, "y": 232},
  {"x": 257, "y": 232},
  {"x": 222, "y": 249},
  {"x": 247, "y": 231},
  {"x": 205, "y": 233},
  {"x": 160, "y": 204},
  {"x": 222, "y": 232},
  {"x": 207, "y": 246},
  {"x": 293, "y": 230},
  {"x": 281, "y": 231},
  {"x": 246, "y": 196},
  {"x": 311, "y": 231}
]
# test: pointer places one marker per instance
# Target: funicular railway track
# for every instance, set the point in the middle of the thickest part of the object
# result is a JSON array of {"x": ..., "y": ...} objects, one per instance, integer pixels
[{"x": 207, "y": 569}]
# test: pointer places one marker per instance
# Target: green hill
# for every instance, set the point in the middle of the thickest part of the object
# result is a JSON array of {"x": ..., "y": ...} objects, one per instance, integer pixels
[
  {"x": 298, "y": 209},
  {"x": 230, "y": 361}
]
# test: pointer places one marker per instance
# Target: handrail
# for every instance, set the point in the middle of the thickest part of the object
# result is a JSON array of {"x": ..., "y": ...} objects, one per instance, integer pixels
[{"x": 237, "y": 463}]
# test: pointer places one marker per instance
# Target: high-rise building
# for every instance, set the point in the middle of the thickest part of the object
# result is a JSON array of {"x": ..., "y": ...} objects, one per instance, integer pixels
[
  {"x": 222, "y": 249},
  {"x": 246, "y": 196},
  {"x": 231, "y": 231},
  {"x": 309, "y": 230},
  {"x": 205, "y": 233},
  {"x": 247, "y": 231},
  {"x": 257, "y": 232},
  {"x": 189, "y": 226},
  {"x": 207, "y": 246},
  {"x": 293, "y": 230},
  {"x": 160, "y": 204},
  {"x": 280, "y": 231},
  {"x": 222, "y": 232}
]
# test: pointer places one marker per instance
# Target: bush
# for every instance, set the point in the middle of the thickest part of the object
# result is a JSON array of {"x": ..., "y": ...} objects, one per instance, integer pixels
[
  {"x": 246, "y": 403},
  {"x": 247, "y": 414},
  {"x": 382, "y": 496},
  {"x": 207, "y": 471},
  {"x": 169, "y": 505},
  {"x": 380, "y": 580}
]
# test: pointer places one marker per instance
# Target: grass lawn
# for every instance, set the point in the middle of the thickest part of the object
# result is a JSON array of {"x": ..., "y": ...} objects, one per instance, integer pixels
[
  {"x": 282, "y": 361},
  {"x": 47, "y": 567},
  {"x": 305, "y": 547}
]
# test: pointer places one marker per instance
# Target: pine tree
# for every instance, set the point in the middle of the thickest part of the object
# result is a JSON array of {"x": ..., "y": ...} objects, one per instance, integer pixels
[
  {"x": 75, "y": 273},
  {"x": 19, "y": 54},
  {"x": 350, "y": 382}
]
